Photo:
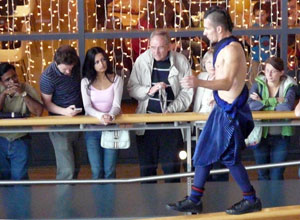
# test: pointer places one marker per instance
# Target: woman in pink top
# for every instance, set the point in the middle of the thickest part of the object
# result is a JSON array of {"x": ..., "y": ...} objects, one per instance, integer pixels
[{"x": 101, "y": 94}]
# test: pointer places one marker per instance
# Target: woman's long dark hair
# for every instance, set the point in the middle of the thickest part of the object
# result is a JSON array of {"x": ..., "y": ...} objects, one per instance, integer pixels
[{"x": 88, "y": 69}]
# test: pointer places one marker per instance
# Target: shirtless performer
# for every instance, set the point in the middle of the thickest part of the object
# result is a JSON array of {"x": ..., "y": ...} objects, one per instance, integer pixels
[{"x": 230, "y": 122}]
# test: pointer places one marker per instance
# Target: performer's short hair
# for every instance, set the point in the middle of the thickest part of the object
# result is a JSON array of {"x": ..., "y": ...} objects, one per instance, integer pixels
[{"x": 219, "y": 16}]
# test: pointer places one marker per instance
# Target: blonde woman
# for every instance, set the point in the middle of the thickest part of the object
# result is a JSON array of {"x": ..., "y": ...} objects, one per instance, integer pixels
[{"x": 204, "y": 102}]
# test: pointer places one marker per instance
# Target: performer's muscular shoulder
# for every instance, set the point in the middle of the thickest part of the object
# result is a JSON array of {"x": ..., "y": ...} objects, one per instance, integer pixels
[
  {"x": 232, "y": 51},
  {"x": 229, "y": 53}
]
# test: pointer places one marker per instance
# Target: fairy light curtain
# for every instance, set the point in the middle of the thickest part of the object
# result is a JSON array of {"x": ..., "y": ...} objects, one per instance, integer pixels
[
  {"x": 293, "y": 40},
  {"x": 10, "y": 23},
  {"x": 47, "y": 16},
  {"x": 56, "y": 16},
  {"x": 108, "y": 15}
]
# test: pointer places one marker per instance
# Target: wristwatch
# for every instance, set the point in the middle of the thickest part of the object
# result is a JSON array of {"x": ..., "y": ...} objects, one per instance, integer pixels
[{"x": 23, "y": 94}]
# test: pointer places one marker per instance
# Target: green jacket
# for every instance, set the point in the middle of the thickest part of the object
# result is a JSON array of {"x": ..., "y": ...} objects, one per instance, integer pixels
[{"x": 270, "y": 103}]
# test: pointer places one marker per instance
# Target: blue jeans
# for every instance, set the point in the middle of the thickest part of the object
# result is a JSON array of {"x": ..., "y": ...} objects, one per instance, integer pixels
[
  {"x": 14, "y": 159},
  {"x": 103, "y": 161},
  {"x": 272, "y": 149}
]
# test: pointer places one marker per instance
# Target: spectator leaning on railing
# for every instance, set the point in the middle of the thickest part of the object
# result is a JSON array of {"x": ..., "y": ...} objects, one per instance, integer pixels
[
  {"x": 155, "y": 83},
  {"x": 16, "y": 98},
  {"x": 60, "y": 88},
  {"x": 204, "y": 103},
  {"x": 102, "y": 91},
  {"x": 273, "y": 91}
]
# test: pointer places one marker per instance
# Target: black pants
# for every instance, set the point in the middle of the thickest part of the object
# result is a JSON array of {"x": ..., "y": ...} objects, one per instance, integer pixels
[{"x": 160, "y": 146}]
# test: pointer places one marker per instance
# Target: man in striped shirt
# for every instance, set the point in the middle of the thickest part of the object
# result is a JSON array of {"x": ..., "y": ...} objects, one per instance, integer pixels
[
  {"x": 155, "y": 83},
  {"x": 60, "y": 88}
]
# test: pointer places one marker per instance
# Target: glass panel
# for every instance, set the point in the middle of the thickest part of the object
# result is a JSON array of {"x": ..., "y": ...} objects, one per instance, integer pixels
[
  {"x": 31, "y": 57},
  {"x": 147, "y": 14},
  {"x": 38, "y": 16},
  {"x": 58, "y": 16},
  {"x": 123, "y": 52}
]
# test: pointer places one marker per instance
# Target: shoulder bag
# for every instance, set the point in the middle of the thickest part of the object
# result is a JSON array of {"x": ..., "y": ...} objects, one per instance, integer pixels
[
  {"x": 254, "y": 137},
  {"x": 117, "y": 139}
]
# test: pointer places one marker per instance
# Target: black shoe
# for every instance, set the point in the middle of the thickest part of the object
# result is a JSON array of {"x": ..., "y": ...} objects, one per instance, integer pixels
[
  {"x": 186, "y": 205},
  {"x": 244, "y": 206}
]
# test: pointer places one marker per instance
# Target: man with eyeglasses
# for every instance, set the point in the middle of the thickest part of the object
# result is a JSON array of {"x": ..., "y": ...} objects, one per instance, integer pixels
[{"x": 155, "y": 83}]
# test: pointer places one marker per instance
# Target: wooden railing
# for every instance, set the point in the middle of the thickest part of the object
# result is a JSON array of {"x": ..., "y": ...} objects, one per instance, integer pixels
[
  {"x": 276, "y": 213},
  {"x": 134, "y": 118}
]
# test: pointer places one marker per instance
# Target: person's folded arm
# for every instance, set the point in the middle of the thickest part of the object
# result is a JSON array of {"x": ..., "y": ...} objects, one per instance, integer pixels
[
  {"x": 255, "y": 105},
  {"x": 289, "y": 100}
]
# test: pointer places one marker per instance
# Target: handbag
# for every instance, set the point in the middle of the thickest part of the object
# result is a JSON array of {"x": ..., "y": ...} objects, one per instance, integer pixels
[
  {"x": 117, "y": 139},
  {"x": 254, "y": 137}
]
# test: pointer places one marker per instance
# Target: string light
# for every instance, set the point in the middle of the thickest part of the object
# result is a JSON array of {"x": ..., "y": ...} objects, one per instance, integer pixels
[
  {"x": 118, "y": 13},
  {"x": 241, "y": 19}
]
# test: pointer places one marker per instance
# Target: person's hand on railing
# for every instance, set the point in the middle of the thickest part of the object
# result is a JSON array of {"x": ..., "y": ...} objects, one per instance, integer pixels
[{"x": 107, "y": 119}]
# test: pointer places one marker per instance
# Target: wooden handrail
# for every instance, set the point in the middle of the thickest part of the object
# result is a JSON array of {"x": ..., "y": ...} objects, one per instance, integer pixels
[
  {"x": 275, "y": 213},
  {"x": 133, "y": 118}
]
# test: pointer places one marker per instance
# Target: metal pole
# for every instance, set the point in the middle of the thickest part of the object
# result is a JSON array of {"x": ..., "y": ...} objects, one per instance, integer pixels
[
  {"x": 81, "y": 31},
  {"x": 141, "y": 179},
  {"x": 189, "y": 158},
  {"x": 284, "y": 37}
]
